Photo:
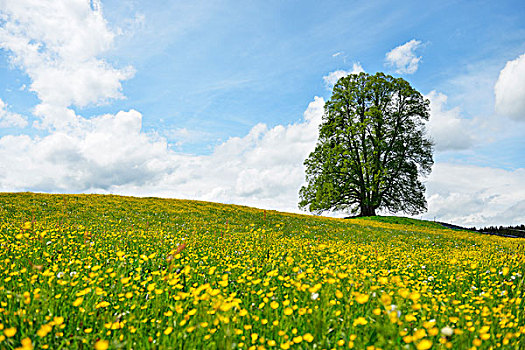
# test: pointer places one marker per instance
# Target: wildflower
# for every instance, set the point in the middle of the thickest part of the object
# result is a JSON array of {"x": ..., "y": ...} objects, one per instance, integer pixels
[
  {"x": 386, "y": 299},
  {"x": 308, "y": 337},
  {"x": 360, "y": 321},
  {"x": 101, "y": 345},
  {"x": 10, "y": 332},
  {"x": 361, "y": 298},
  {"x": 447, "y": 331},
  {"x": 424, "y": 344},
  {"x": 26, "y": 344}
]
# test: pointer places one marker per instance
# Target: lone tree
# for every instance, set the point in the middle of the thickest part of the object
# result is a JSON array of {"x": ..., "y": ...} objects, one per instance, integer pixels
[{"x": 371, "y": 150}]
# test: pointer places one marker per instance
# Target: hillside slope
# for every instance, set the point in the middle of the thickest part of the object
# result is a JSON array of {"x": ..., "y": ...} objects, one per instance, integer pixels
[{"x": 123, "y": 272}]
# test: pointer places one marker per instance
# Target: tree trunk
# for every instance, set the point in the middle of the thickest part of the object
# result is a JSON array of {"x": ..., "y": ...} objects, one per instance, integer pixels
[{"x": 367, "y": 211}]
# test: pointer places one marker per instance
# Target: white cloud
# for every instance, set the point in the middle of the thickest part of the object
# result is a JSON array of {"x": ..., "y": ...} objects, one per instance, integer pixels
[
  {"x": 110, "y": 154},
  {"x": 333, "y": 77},
  {"x": 263, "y": 169},
  {"x": 9, "y": 119},
  {"x": 448, "y": 130},
  {"x": 475, "y": 196},
  {"x": 58, "y": 45},
  {"x": 108, "y": 150},
  {"x": 403, "y": 58},
  {"x": 510, "y": 89}
]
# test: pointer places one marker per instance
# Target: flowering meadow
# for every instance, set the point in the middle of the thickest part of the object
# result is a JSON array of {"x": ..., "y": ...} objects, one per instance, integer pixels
[{"x": 110, "y": 272}]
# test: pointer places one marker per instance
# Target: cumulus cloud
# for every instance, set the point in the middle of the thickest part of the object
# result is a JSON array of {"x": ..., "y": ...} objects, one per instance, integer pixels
[
  {"x": 333, "y": 77},
  {"x": 476, "y": 196},
  {"x": 9, "y": 119},
  {"x": 403, "y": 58},
  {"x": 58, "y": 45},
  {"x": 263, "y": 169},
  {"x": 110, "y": 154},
  {"x": 449, "y": 131},
  {"x": 109, "y": 150},
  {"x": 510, "y": 89}
]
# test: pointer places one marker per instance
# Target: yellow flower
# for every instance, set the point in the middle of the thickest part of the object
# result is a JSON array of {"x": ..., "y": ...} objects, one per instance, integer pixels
[
  {"x": 361, "y": 298},
  {"x": 386, "y": 299},
  {"x": 297, "y": 339},
  {"x": 485, "y": 336},
  {"x": 243, "y": 312},
  {"x": 168, "y": 330},
  {"x": 285, "y": 346},
  {"x": 414, "y": 296},
  {"x": 382, "y": 280},
  {"x": 101, "y": 345},
  {"x": 410, "y": 318},
  {"x": 274, "y": 305},
  {"x": 102, "y": 304},
  {"x": 27, "y": 344},
  {"x": 10, "y": 332},
  {"x": 360, "y": 321},
  {"x": 44, "y": 330},
  {"x": 425, "y": 344},
  {"x": 78, "y": 301},
  {"x": 223, "y": 283},
  {"x": 288, "y": 311},
  {"x": 308, "y": 337},
  {"x": 420, "y": 333}
]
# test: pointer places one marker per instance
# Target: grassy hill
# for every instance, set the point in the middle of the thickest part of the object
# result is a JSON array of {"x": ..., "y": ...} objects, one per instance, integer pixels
[{"x": 93, "y": 271}]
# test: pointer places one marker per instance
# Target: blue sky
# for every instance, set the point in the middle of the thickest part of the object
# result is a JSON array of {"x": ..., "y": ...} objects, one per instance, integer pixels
[{"x": 221, "y": 85}]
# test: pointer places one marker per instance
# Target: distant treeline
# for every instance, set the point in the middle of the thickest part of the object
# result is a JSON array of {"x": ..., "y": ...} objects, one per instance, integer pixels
[{"x": 509, "y": 231}]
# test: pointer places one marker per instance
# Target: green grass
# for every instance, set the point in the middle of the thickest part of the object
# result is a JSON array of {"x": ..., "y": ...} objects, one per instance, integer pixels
[{"x": 92, "y": 271}]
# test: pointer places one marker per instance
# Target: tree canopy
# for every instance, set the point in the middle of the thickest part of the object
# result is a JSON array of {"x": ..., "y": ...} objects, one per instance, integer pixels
[{"x": 372, "y": 149}]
